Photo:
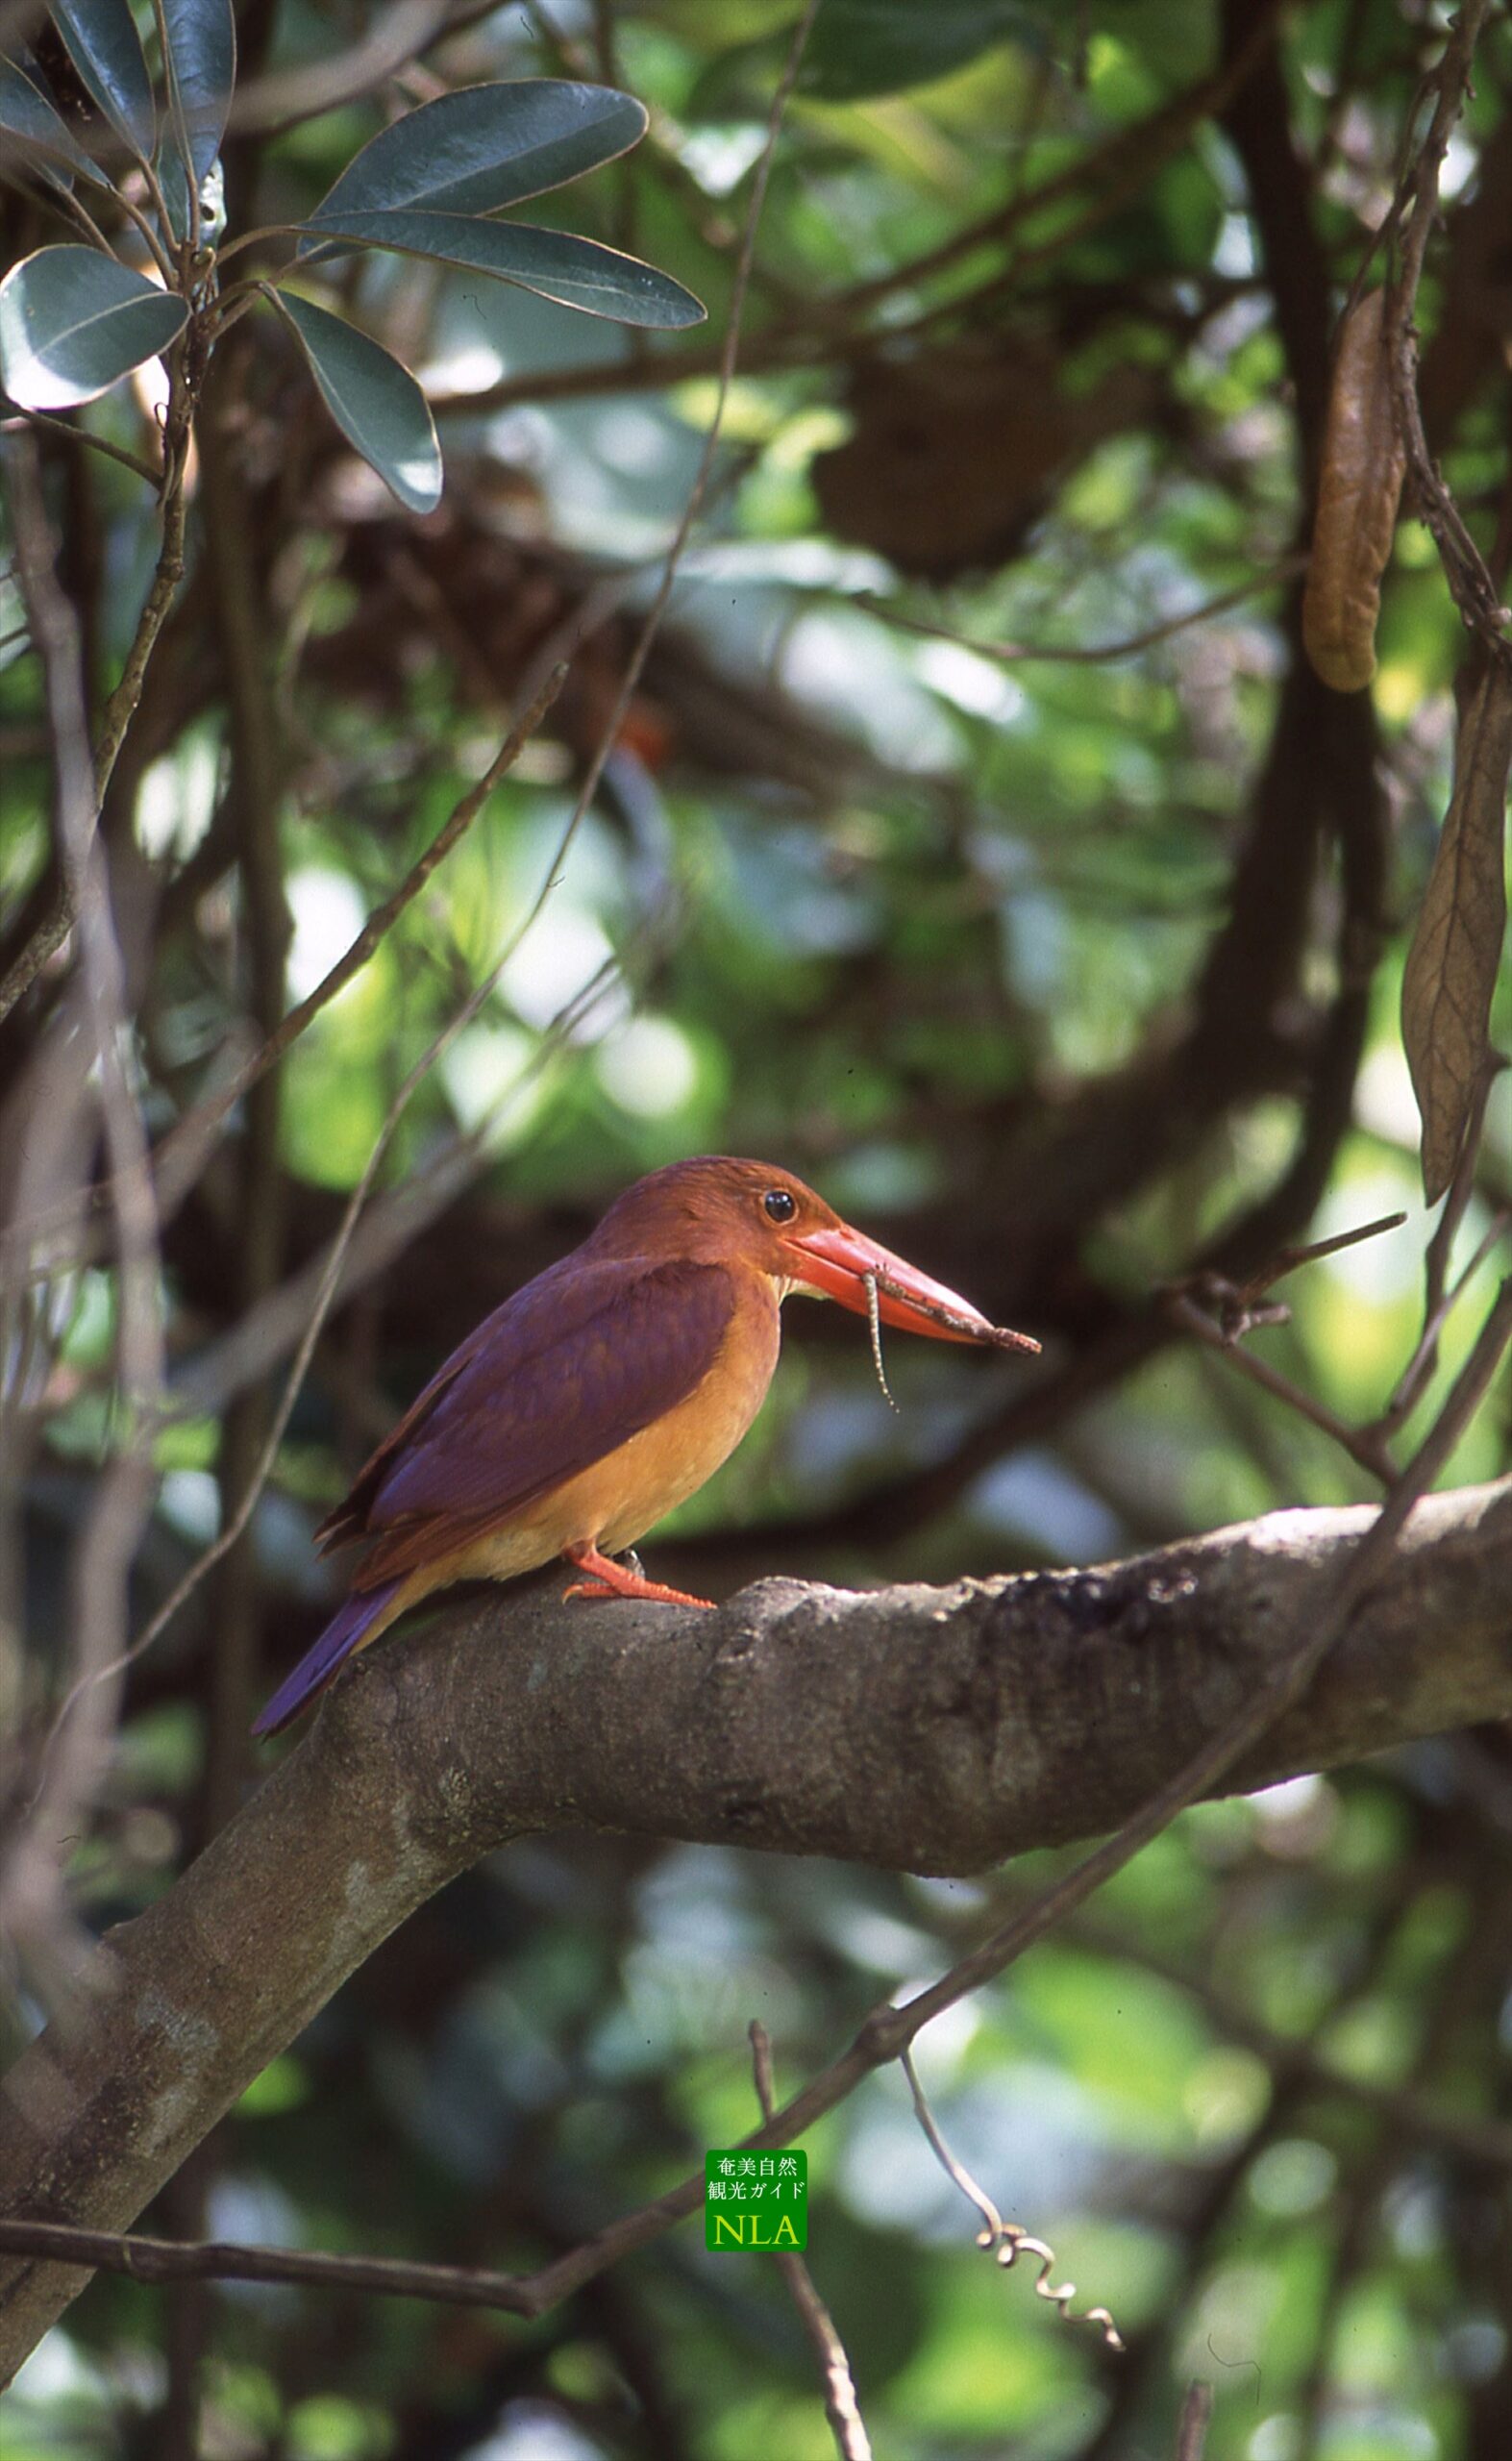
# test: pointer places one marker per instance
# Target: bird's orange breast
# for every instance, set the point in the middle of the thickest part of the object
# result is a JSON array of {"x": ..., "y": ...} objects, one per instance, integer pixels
[{"x": 617, "y": 1499}]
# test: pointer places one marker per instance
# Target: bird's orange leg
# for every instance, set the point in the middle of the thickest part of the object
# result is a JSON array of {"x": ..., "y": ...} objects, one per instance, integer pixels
[{"x": 610, "y": 1580}]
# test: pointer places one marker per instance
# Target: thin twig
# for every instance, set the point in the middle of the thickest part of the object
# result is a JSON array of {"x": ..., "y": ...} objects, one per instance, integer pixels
[
  {"x": 178, "y": 1159},
  {"x": 145, "y": 2259},
  {"x": 82, "y": 436},
  {"x": 1363, "y": 1445},
  {"x": 30, "y": 1882},
  {"x": 842, "y": 2409},
  {"x": 1097, "y": 654},
  {"x": 1440, "y": 1297},
  {"x": 1471, "y": 585}
]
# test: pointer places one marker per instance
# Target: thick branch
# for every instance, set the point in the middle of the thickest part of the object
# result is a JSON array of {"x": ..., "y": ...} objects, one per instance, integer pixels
[{"x": 916, "y": 1728}]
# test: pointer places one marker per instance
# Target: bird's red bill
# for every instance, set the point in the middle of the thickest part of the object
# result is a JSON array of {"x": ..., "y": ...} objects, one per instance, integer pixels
[{"x": 840, "y": 1264}]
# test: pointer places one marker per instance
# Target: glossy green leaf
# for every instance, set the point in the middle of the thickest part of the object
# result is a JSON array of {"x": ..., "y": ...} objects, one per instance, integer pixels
[
  {"x": 373, "y": 399},
  {"x": 861, "y": 47},
  {"x": 576, "y": 273},
  {"x": 103, "y": 43},
  {"x": 73, "y": 321},
  {"x": 485, "y": 147},
  {"x": 39, "y": 137},
  {"x": 202, "y": 63}
]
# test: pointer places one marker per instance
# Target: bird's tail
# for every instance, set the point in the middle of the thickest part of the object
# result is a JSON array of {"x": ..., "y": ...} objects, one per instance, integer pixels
[{"x": 350, "y": 1629}]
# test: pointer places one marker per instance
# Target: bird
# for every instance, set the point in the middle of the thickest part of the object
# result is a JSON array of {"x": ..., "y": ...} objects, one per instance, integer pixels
[{"x": 603, "y": 1394}]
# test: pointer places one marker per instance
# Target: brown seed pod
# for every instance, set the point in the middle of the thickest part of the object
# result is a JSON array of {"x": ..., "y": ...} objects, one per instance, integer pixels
[{"x": 1358, "y": 488}]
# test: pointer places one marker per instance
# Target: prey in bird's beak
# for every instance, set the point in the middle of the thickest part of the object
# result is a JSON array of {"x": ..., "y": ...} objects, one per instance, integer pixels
[{"x": 840, "y": 1264}]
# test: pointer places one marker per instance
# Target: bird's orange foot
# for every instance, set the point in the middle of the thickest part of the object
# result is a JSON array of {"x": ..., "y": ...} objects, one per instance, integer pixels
[{"x": 608, "y": 1580}]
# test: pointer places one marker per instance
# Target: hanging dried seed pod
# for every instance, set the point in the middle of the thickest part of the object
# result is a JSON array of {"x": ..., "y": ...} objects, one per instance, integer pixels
[{"x": 1358, "y": 488}]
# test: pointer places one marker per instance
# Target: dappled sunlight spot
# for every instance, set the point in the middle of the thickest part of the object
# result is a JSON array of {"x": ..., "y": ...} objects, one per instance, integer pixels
[
  {"x": 1296, "y": 1820},
  {"x": 1398, "y": 689},
  {"x": 190, "y": 1502},
  {"x": 1224, "y": 2095},
  {"x": 1293, "y": 2178},
  {"x": 177, "y": 799},
  {"x": 1036, "y": 1496},
  {"x": 486, "y": 1077},
  {"x": 720, "y": 157},
  {"x": 1037, "y": 2128},
  {"x": 633, "y": 440},
  {"x": 328, "y": 913},
  {"x": 648, "y": 1067},
  {"x": 1384, "y": 1103},
  {"x": 1379, "y": 1270},
  {"x": 940, "y": 2051},
  {"x": 57, "y": 2370},
  {"x": 531, "y": 2432},
  {"x": 555, "y": 962},
  {"x": 833, "y": 658},
  {"x": 469, "y": 368},
  {"x": 973, "y": 682},
  {"x": 1235, "y": 252}
]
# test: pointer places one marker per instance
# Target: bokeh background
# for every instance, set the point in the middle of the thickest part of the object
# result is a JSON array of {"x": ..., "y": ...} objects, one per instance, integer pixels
[{"x": 1066, "y": 970}]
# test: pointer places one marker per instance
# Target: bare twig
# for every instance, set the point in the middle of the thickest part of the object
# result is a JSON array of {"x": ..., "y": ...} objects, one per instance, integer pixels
[
  {"x": 1440, "y": 1296},
  {"x": 178, "y": 1159},
  {"x": 841, "y": 2407},
  {"x": 30, "y": 1881},
  {"x": 82, "y": 436},
  {"x": 145, "y": 2259},
  {"x": 1474, "y": 592},
  {"x": 1097, "y": 654},
  {"x": 1364, "y": 1445}
]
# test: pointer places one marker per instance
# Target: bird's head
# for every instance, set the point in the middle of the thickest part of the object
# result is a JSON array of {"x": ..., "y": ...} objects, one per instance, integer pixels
[{"x": 722, "y": 1210}]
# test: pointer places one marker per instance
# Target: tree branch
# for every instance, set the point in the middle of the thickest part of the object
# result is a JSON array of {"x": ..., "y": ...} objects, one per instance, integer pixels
[{"x": 915, "y": 1729}]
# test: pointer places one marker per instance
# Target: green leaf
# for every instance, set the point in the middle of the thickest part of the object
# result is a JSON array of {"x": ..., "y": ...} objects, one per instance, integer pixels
[
  {"x": 73, "y": 321},
  {"x": 40, "y": 136},
  {"x": 202, "y": 64},
  {"x": 861, "y": 47},
  {"x": 578, "y": 273},
  {"x": 374, "y": 401},
  {"x": 485, "y": 147},
  {"x": 103, "y": 43}
]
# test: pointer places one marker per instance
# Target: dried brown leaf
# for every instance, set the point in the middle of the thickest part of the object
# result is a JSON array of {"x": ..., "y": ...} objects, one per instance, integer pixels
[
  {"x": 1360, "y": 486},
  {"x": 1456, "y": 949}
]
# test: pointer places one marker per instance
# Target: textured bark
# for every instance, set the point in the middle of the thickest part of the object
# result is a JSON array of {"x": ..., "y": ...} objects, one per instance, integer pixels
[{"x": 923, "y": 1730}]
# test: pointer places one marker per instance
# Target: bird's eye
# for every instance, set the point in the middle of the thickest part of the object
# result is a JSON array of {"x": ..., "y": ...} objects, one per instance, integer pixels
[{"x": 778, "y": 1205}]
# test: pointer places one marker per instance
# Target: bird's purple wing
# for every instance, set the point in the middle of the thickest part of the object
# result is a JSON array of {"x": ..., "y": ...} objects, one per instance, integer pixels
[{"x": 564, "y": 1373}]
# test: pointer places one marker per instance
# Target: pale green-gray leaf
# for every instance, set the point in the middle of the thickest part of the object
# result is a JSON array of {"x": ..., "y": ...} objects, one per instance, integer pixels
[
  {"x": 485, "y": 147},
  {"x": 202, "y": 61},
  {"x": 578, "y": 273},
  {"x": 41, "y": 137},
  {"x": 103, "y": 43},
  {"x": 73, "y": 321},
  {"x": 374, "y": 400}
]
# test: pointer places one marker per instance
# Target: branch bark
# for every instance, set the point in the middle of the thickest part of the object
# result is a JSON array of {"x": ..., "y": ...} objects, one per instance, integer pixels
[{"x": 916, "y": 1728}]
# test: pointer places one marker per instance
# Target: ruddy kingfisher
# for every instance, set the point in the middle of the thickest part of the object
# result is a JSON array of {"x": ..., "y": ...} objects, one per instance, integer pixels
[{"x": 604, "y": 1394}]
